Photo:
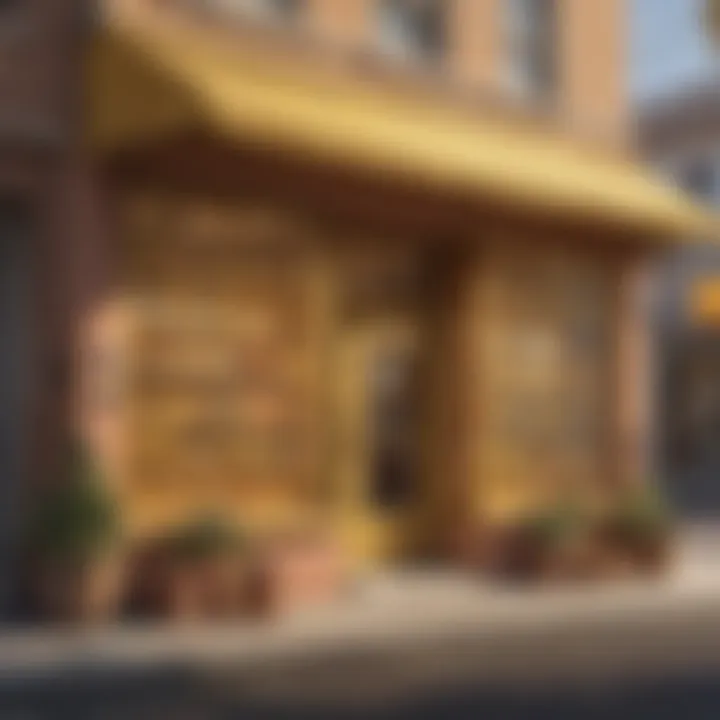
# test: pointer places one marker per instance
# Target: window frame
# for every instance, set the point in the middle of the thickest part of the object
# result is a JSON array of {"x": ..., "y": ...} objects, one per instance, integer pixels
[
  {"x": 408, "y": 42},
  {"x": 532, "y": 58},
  {"x": 268, "y": 12}
]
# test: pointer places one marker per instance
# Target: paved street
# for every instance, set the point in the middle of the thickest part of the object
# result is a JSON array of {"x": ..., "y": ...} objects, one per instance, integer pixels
[{"x": 221, "y": 695}]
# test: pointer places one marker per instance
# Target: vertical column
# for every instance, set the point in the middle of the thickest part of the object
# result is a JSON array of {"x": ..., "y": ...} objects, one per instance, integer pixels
[
  {"x": 634, "y": 357},
  {"x": 97, "y": 321},
  {"x": 475, "y": 41},
  {"x": 592, "y": 59},
  {"x": 455, "y": 399},
  {"x": 347, "y": 24}
]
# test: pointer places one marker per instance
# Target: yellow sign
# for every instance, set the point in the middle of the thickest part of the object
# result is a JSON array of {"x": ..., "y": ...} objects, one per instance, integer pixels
[{"x": 704, "y": 301}]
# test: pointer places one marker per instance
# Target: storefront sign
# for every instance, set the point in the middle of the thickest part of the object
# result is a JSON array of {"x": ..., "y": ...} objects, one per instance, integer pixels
[{"x": 704, "y": 302}]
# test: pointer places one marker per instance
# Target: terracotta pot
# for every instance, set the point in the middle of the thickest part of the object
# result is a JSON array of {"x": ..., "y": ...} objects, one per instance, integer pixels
[
  {"x": 529, "y": 558},
  {"x": 570, "y": 562},
  {"x": 208, "y": 588},
  {"x": 521, "y": 557},
  {"x": 486, "y": 550},
  {"x": 293, "y": 573},
  {"x": 182, "y": 588},
  {"x": 83, "y": 592},
  {"x": 183, "y": 593},
  {"x": 608, "y": 561},
  {"x": 223, "y": 585},
  {"x": 652, "y": 557},
  {"x": 146, "y": 568},
  {"x": 643, "y": 556}
]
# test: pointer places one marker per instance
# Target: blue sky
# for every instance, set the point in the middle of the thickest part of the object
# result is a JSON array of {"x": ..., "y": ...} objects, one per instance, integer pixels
[{"x": 668, "y": 45}]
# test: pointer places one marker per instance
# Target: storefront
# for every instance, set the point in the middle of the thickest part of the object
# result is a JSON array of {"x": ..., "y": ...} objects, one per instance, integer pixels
[{"x": 344, "y": 307}]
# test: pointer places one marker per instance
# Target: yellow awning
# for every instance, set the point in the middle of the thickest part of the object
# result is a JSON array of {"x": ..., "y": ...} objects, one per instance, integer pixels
[{"x": 150, "y": 79}]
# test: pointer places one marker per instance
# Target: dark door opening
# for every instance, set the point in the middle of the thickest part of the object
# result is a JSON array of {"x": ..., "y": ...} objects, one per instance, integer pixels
[
  {"x": 691, "y": 423},
  {"x": 16, "y": 329},
  {"x": 394, "y": 432}
]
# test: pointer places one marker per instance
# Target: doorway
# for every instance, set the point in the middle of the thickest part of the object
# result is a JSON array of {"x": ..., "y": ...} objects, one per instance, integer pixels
[
  {"x": 16, "y": 329},
  {"x": 381, "y": 420}
]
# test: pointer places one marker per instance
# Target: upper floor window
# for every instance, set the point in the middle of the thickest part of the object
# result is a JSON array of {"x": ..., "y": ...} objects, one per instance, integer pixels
[
  {"x": 283, "y": 10},
  {"x": 531, "y": 46},
  {"x": 412, "y": 29}
]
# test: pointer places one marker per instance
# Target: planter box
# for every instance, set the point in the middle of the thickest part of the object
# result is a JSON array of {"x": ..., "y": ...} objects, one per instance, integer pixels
[
  {"x": 181, "y": 589},
  {"x": 479, "y": 549},
  {"x": 517, "y": 555},
  {"x": 649, "y": 556},
  {"x": 82, "y": 593},
  {"x": 296, "y": 572}
]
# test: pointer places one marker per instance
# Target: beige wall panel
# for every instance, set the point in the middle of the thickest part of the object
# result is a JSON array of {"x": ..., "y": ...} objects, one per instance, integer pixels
[{"x": 229, "y": 362}]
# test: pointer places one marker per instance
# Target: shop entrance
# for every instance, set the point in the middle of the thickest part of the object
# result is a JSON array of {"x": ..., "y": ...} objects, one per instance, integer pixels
[{"x": 383, "y": 412}]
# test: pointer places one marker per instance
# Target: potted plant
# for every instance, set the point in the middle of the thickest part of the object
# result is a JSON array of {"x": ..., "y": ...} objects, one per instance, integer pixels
[
  {"x": 201, "y": 570},
  {"x": 552, "y": 544},
  {"x": 75, "y": 539},
  {"x": 639, "y": 530}
]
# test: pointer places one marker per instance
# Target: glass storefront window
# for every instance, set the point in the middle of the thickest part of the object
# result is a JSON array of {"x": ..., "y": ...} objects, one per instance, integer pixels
[
  {"x": 548, "y": 388},
  {"x": 393, "y": 431}
]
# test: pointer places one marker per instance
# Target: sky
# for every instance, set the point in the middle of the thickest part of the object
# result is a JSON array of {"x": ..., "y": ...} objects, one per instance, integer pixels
[{"x": 669, "y": 47}]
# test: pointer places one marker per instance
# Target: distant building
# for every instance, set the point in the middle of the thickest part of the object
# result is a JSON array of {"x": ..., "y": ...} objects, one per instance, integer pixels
[{"x": 680, "y": 136}]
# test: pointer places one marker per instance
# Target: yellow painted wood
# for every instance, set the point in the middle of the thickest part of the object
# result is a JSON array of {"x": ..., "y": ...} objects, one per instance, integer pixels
[
  {"x": 545, "y": 353},
  {"x": 506, "y": 383},
  {"x": 372, "y": 534},
  {"x": 212, "y": 85},
  {"x": 230, "y": 389}
]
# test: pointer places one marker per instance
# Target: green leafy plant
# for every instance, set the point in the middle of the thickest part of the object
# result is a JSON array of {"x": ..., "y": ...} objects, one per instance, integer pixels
[
  {"x": 643, "y": 514},
  {"x": 556, "y": 525},
  {"x": 205, "y": 537},
  {"x": 78, "y": 520}
]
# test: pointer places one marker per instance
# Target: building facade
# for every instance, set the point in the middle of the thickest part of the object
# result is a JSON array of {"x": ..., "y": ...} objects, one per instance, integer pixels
[{"x": 370, "y": 265}]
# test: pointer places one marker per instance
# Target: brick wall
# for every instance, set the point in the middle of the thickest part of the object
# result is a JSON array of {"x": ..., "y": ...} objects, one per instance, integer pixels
[
  {"x": 41, "y": 50},
  {"x": 39, "y": 46}
]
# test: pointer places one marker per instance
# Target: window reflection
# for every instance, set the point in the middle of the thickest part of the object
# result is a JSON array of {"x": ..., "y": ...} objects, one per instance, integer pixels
[
  {"x": 393, "y": 426},
  {"x": 531, "y": 42},
  {"x": 276, "y": 10},
  {"x": 412, "y": 29}
]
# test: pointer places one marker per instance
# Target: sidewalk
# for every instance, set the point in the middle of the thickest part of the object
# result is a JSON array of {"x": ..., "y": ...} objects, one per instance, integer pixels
[{"x": 414, "y": 628}]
